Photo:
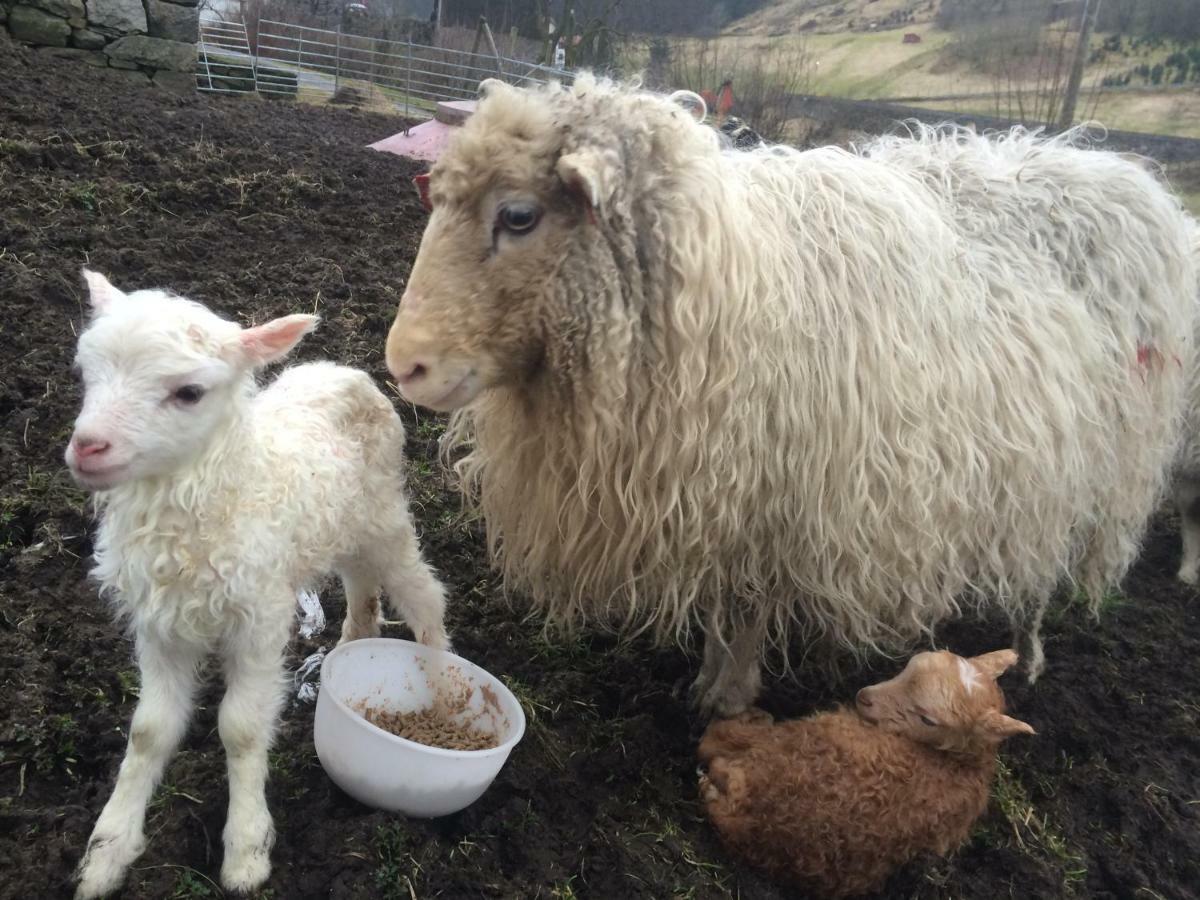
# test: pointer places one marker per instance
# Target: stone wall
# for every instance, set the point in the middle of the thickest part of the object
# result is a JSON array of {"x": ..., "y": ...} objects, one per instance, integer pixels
[{"x": 150, "y": 39}]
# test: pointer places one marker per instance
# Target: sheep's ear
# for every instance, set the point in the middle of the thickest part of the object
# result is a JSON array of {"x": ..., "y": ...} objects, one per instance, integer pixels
[
  {"x": 421, "y": 183},
  {"x": 273, "y": 340},
  {"x": 998, "y": 726},
  {"x": 490, "y": 86},
  {"x": 587, "y": 175},
  {"x": 101, "y": 293},
  {"x": 695, "y": 105},
  {"x": 996, "y": 663}
]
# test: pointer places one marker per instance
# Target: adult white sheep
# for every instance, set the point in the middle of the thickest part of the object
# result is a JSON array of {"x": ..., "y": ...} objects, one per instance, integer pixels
[
  {"x": 1186, "y": 489},
  {"x": 219, "y": 501},
  {"x": 847, "y": 393}
]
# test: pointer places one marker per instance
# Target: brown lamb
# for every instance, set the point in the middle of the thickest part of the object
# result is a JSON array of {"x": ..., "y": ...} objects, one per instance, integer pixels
[{"x": 835, "y": 803}]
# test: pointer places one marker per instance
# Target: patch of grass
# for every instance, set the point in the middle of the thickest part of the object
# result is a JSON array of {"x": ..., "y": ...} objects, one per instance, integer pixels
[
  {"x": 19, "y": 148},
  {"x": 166, "y": 794},
  {"x": 1079, "y": 604},
  {"x": 85, "y": 194},
  {"x": 537, "y": 709},
  {"x": 129, "y": 683},
  {"x": 1033, "y": 833},
  {"x": 190, "y": 884},
  {"x": 47, "y": 743},
  {"x": 430, "y": 429},
  {"x": 398, "y": 871},
  {"x": 39, "y": 495}
]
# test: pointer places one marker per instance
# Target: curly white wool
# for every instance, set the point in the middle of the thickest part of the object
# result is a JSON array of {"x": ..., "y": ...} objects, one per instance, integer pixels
[{"x": 844, "y": 393}]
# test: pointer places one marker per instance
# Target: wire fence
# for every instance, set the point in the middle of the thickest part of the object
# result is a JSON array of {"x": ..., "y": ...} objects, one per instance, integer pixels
[{"x": 286, "y": 59}]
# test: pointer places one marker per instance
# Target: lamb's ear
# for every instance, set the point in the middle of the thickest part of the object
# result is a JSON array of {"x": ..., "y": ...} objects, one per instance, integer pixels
[
  {"x": 588, "y": 175},
  {"x": 996, "y": 663},
  {"x": 101, "y": 293},
  {"x": 998, "y": 726},
  {"x": 272, "y": 340}
]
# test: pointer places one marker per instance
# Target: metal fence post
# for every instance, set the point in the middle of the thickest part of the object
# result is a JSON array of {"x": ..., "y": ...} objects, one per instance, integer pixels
[
  {"x": 408, "y": 77},
  {"x": 337, "y": 59},
  {"x": 254, "y": 52}
]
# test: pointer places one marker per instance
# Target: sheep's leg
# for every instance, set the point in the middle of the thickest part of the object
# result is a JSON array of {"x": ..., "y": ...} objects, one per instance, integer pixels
[
  {"x": 168, "y": 679},
  {"x": 1187, "y": 500},
  {"x": 247, "y": 721},
  {"x": 1027, "y": 637},
  {"x": 731, "y": 676},
  {"x": 413, "y": 590},
  {"x": 362, "y": 603}
]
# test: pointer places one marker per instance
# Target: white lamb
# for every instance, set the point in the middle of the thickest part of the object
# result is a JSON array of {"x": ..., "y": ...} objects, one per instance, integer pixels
[
  {"x": 770, "y": 394},
  {"x": 219, "y": 501}
]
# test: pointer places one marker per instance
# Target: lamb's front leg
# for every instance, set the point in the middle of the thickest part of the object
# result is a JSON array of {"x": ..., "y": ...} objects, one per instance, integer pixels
[
  {"x": 168, "y": 688},
  {"x": 247, "y": 721}
]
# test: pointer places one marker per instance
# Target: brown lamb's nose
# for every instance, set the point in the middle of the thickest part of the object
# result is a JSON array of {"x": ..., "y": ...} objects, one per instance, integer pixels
[
  {"x": 89, "y": 446},
  {"x": 863, "y": 698}
]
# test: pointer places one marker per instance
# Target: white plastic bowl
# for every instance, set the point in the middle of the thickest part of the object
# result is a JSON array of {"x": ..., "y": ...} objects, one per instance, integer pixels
[{"x": 390, "y": 772}]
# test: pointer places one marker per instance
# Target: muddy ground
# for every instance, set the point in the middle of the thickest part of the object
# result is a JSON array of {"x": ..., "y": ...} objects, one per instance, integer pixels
[{"x": 262, "y": 209}]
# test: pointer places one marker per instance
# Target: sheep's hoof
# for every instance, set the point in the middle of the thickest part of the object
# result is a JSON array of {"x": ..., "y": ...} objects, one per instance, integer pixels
[
  {"x": 724, "y": 700},
  {"x": 1189, "y": 576},
  {"x": 1034, "y": 666}
]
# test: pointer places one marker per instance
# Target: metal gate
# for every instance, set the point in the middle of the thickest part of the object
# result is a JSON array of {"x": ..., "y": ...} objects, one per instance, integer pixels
[{"x": 224, "y": 61}]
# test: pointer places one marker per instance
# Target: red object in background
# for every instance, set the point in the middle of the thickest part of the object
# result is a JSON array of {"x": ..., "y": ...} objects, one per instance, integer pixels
[
  {"x": 724, "y": 99},
  {"x": 422, "y": 184}
]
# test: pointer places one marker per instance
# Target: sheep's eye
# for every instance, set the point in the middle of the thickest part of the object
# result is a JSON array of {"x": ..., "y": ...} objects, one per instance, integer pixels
[
  {"x": 928, "y": 721},
  {"x": 518, "y": 218},
  {"x": 189, "y": 394}
]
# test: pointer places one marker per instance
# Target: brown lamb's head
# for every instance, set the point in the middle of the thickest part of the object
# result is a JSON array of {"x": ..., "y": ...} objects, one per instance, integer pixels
[{"x": 946, "y": 701}]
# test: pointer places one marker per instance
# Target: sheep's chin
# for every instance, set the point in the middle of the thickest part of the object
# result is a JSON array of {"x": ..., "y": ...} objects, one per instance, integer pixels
[{"x": 440, "y": 399}]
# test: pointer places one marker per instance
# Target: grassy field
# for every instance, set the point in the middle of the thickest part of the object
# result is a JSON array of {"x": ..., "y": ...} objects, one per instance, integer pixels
[
  {"x": 877, "y": 64},
  {"x": 1154, "y": 112}
]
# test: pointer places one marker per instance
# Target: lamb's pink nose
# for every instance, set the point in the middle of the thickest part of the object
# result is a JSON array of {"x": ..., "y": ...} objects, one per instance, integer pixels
[
  {"x": 89, "y": 446},
  {"x": 863, "y": 698}
]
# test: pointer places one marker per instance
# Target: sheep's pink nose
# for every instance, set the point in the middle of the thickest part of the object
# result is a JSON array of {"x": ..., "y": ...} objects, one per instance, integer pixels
[
  {"x": 864, "y": 698},
  {"x": 89, "y": 446},
  {"x": 411, "y": 373}
]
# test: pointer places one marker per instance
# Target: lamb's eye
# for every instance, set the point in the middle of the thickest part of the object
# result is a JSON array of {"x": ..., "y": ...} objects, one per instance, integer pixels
[
  {"x": 189, "y": 394},
  {"x": 928, "y": 721},
  {"x": 518, "y": 218}
]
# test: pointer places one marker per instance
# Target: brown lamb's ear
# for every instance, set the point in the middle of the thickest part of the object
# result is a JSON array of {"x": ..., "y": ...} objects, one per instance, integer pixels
[
  {"x": 996, "y": 663},
  {"x": 997, "y": 726}
]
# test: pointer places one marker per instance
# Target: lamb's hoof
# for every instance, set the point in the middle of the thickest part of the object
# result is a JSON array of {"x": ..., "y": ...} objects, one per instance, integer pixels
[
  {"x": 357, "y": 634},
  {"x": 436, "y": 639},
  {"x": 1189, "y": 576},
  {"x": 105, "y": 864},
  {"x": 245, "y": 871}
]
